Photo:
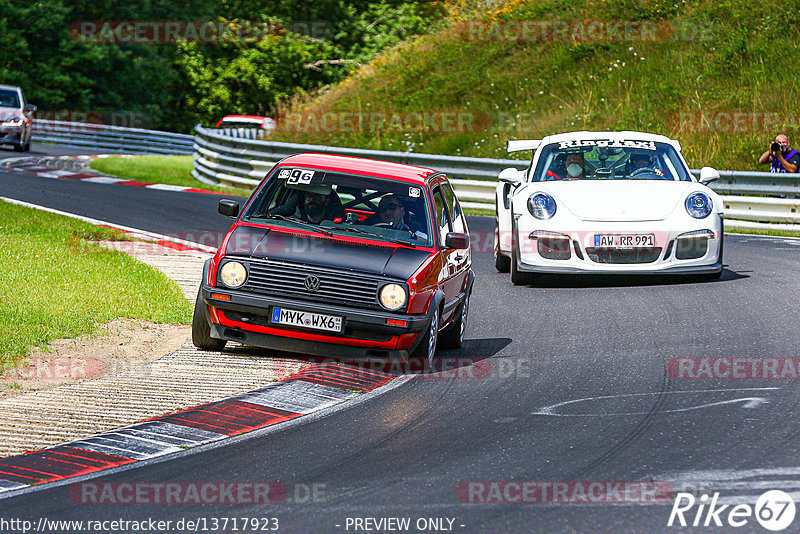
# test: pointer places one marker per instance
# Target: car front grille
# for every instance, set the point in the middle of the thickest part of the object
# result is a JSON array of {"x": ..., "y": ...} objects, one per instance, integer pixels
[
  {"x": 644, "y": 255},
  {"x": 288, "y": 280}
]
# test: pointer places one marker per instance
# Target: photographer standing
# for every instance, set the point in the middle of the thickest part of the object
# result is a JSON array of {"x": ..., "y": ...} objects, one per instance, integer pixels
[{"x": 781, "y": 158}]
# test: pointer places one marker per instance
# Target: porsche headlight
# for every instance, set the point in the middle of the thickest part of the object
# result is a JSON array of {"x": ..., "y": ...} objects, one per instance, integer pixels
[
  {"x": 392, "y": 297},
  {"x": 699, "y": 205},
  {"x": 542, "y": 206},
  {"x": 233, "y": 274}
]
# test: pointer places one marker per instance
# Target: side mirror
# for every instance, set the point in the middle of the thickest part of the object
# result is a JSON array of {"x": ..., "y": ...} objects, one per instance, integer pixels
[
  {"x": 455, "y": 240},
  {"x": 510, "y": 176},
  {"x": 228, "y": 208},
  {"x": 30, "y": 108},
  {"x": 708, "y": 175}
]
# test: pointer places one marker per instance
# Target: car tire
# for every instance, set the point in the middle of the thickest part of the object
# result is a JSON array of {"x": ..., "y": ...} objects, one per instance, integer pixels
[
  {"x": 453, "y": 337},
  {"x": 501, "y": 262},
  {"x": 426, "y": 350},
  {"x": 19, "y": 148},
  {"x": 518, "y": 278},
  {"x": 201, "y": 329}
]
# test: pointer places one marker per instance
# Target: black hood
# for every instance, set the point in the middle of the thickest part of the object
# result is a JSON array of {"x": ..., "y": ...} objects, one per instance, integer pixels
[{"x": 394, "y": 262}]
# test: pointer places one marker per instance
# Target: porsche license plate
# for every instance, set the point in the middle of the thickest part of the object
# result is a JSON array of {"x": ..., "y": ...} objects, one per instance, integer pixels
[
  {"x": 316, "y": 321},
  {"x": 622, "y": 241}
]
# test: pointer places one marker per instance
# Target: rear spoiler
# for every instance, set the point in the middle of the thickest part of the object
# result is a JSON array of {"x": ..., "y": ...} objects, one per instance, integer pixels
[{"x": 523, "y": 144}]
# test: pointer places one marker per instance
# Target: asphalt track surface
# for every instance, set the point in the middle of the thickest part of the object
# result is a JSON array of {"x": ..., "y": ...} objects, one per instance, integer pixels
[{"x": 601, "y": 347}]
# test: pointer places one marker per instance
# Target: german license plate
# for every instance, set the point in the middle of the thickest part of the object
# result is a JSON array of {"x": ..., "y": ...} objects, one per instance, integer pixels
[
  {"x": 624, "y": 241},
  {"x": 316, "y": 321}
]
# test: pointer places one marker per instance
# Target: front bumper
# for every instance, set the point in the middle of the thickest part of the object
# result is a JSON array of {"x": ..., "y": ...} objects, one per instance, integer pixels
[
  {"x": 580, "y": 257},
  {"x": 246, "y": 319},
  {"x": 11, "y": 136}
]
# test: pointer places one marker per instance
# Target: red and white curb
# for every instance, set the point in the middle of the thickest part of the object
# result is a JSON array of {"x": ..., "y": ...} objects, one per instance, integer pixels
[
  {"x": 32, "y": 165},
  {"x": 314, "y": 388}
]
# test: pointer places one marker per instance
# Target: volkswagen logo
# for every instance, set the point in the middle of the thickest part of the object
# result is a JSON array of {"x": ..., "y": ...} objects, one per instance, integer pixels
[{"x": 311, "y": 283}]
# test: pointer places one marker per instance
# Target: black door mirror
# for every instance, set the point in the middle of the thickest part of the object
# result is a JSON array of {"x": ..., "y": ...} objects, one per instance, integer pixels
[
  {"x": 455, "y": 240},
  {"x": 228, "y": 208}
]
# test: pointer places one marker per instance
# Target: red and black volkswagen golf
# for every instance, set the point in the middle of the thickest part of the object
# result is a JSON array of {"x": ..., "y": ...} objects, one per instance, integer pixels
[{"x": 343, "y": 257}]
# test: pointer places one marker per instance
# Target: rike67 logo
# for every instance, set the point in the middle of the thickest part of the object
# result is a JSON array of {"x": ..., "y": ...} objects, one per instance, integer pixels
[{"x": 774, "y": 510}]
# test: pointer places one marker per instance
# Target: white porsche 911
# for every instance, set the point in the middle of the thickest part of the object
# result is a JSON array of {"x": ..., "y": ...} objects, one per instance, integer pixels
[{"x": 606, "y": 202}]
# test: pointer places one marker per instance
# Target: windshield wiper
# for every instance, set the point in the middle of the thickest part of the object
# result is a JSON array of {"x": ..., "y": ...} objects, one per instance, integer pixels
[
  {"x": 298, "y": 222},
  {"x": 373, "y": 234}
]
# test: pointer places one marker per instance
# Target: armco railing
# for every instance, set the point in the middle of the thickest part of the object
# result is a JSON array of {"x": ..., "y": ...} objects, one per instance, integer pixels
[
  {"x": 116, "y": 138},
  {"x": 221, "y": 156},
  {"x": 219, "y": 149},
  {"x": 220, "y": 159}
]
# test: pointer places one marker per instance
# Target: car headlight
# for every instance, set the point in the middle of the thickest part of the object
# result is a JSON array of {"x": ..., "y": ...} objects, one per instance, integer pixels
[
  {"x": 233, "y": 274},
  {"x": 542, "y": 206},
  {"x": 16, "y": 121},
  {"x": 699, "y": 205},
  {"x": 392, "y": 297}
]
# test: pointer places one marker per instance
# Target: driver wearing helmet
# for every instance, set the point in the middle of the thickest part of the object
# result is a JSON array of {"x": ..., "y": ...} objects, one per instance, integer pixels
[{"x": 640, "y": 164}]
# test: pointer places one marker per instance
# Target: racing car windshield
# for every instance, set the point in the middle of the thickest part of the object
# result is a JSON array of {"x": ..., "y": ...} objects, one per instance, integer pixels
[
  {"x": 606, "y": 159},
  {"x": 8, "y": 99},
  {"x": 343, "y": 204}
]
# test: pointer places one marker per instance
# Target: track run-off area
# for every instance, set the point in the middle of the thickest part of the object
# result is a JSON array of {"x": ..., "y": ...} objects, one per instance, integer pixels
[{"x": 575, "y": 405}]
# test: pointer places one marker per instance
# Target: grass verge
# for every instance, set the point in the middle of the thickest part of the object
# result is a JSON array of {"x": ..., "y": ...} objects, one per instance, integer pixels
[
  {"x": 171, "y": 170},
  {"x": 757, "y": 231},
  {"x": 55, "y": 283}
]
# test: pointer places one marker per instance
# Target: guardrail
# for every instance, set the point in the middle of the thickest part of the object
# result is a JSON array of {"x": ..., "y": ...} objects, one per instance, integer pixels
[
  {"x": 229, "y": 156},
  {"x": 220, "y": 159},
  {"x": 128, "y": 140},
  {"x": 219, "y": 149}
]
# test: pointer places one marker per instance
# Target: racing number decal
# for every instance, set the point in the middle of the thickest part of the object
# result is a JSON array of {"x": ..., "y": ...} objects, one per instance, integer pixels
[{"x": 299, "y": 176}]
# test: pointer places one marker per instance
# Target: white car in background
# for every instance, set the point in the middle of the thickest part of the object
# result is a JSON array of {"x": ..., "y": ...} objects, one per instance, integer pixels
[
  {"x": 16, "y": 118},
  {"x": 606, "y": 202}
]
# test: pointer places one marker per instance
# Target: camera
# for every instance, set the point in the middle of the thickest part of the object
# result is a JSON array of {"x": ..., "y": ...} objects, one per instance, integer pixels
[{"x": 775, "y": 147}]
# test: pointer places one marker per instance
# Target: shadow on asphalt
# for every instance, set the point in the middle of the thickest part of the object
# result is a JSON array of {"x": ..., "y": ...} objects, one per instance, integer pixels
[
  {"x": 628, "y": 280},
  {"x": 471, "y": 360}
]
